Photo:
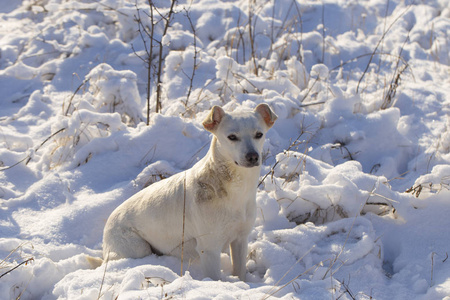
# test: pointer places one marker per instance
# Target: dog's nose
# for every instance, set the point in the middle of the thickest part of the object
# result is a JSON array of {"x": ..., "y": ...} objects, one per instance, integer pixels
[{"x": 252, "y": 157}]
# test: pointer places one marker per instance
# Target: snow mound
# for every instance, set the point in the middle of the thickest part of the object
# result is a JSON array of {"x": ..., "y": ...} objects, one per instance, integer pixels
[{"x": 354, "y": 193}]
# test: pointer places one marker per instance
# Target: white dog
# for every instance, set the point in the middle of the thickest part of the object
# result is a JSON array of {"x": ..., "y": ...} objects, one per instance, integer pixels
[{"x": 213, "y": 203}]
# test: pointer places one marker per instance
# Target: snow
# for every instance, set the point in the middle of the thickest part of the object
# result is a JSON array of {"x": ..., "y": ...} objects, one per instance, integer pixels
[{"x": 355, "y": 184}]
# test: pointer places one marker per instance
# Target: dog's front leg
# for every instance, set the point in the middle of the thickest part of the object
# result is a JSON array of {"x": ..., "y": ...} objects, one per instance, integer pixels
[
  {"x": 210, "y": 262},
  {"x": 239, "y": 257}
]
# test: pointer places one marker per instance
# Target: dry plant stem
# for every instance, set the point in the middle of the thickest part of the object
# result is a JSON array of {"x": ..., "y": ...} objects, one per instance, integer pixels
[
  {"x": 231, "y": 41},
  {"x": 9, "y": 255},
  {"x": 432, "y": 268},
  {"x": 150, "y": 61},
  {"x": 277, "y": 162},
  {"x": 149, "y": 51},
  {"x": 347, "y": 290},
  {"x": 395, "y": 81},
  {"x": 333, "y": 262},
  {"x": 288, "y": 271},
  {"x": 28, "y": 157},
  {"x": 199, "y": 99},
  {"x": 109, "y": 7},
  {"x": 284, "y": 25},
  {"x": 191, "y": 78},
  {"x": 236, "y": 75},
  {"x": 292, "y": 280},
  {"x": 25, "y": 262},
  {"x": 368, "y": 54},
  {"x": 73, "y": 96},
  {"x": 378, "y": 44},
  {"x": 310, "y": 89},
  {"x": 323, "y": 32},
  {"x": 103, "y": 278},
  {"x": 384, "y": 29},
  {"x": 252, "y": 37},
  {"x": 45, "y": 141},
  {"x": 289, "y": 27},
  {"x": 272, "y": 30},
  {"x": 299, "y": 16},
  {"x": 161, "y": 50},
  {"x": 184, "y": 221},
  {"x": 12, "y": 166}
]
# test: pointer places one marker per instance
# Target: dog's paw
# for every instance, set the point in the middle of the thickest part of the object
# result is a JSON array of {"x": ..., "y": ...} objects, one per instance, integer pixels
[{"x": 95, "y": 262}]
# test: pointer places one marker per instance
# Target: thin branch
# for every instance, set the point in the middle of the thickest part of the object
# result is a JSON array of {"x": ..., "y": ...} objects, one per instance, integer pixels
[
  {"x": 161, "y": 48},
  {"x": 25, "y": 262},
  {"x": 35, "y": 150},
  {"x": 103, "y": 278},
  {"x": 184, "y": 222},
  {"x": 252, "y": 37},
  {"x": 278, "y": 161},
  {"x": 191, "y": 79},
  {"x": 73, "y": 95},
  {"x": 150, "y": 62},
  {"x": 270, "y": 293},
  {"x": 323, "y": 32},
  {"x": 378, "y": 44},
  {"x": 395, "y": 81}
]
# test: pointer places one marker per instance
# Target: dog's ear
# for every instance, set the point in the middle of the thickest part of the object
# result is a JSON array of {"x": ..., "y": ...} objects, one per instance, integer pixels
[
  {"x": 214, "y": 118},
  {"x": 267, "y": 114}
]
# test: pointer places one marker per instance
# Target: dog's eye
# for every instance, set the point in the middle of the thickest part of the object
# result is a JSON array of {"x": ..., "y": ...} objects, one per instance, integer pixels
[
  {"x": 232, "y": 137},
  {"x": 258, "y": 135}
]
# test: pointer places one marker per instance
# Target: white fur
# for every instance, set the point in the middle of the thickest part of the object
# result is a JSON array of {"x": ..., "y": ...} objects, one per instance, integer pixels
[{"x": 217, "y": 197}]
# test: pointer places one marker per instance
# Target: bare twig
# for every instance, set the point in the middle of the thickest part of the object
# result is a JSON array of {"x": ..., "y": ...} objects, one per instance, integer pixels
[
  {"x": 73, "y": 96},
  {"x": 191, "y": 78},
  {"x": 251, "y": 35},
  {"x": 25, "y": 262},
  {"x": 340, "y": 145},
  {"x": 149, "y": 33},
  {"x": 184, "y": 219},
  {"x": 395, "y": 81},
  {"x": 367, "y": 54},
  {"x": 323, "y": 32},
  {"x": 432, "y": 268},
  {"x": 161, "y": 50},
  {"x": 267, "y": 296},
  {"x": 310, "y": 89},
  {"x": 270, "y": 292},
  {"x": 109, "y": 7},
  {"x": 103, "y": 278},
  {"x": 148, "y": 50},
  {"x": 293, "y": 144},
  {"x": 347, "y": 289},
  {"x": 333, "y": 262},
  {"x": 150, "y": 62},
  {"x": 236, "y": 75},
  {"x": 378, "y": 44},
  {"x": 28, "y": 157},
  {"x": 384, "y": 29},
  {"x": 45, "y": 141}
]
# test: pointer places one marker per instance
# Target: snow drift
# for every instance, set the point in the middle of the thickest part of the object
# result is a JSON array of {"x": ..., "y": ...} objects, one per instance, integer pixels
[{"x": 354, "y": 194}]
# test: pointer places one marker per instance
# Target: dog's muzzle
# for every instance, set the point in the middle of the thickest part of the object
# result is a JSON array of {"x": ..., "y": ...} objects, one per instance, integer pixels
[{"x": 251, "y": 159}]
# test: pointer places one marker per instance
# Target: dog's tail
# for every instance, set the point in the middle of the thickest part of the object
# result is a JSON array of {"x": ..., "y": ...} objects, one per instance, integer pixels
[{"x": 95, "y": 262}]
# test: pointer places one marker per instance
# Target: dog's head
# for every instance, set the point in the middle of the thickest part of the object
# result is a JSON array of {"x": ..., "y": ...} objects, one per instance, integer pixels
[{"x": 240, "y": 136}]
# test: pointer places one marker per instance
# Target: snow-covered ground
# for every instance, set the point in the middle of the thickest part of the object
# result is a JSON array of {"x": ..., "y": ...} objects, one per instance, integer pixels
[{"x": 354, "y": 201}]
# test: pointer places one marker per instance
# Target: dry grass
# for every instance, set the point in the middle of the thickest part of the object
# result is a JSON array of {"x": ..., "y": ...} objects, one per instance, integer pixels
[{"x": 10, "y": 264}]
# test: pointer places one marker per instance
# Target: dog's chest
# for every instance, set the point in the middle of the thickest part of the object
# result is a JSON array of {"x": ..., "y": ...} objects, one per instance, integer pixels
[{"x": 219, "y": 184}]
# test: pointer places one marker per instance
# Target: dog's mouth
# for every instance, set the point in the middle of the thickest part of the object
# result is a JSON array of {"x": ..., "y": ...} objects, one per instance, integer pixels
[
  {"x": 247, "y": 164},
  {"x": 249, "y": 160}
]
